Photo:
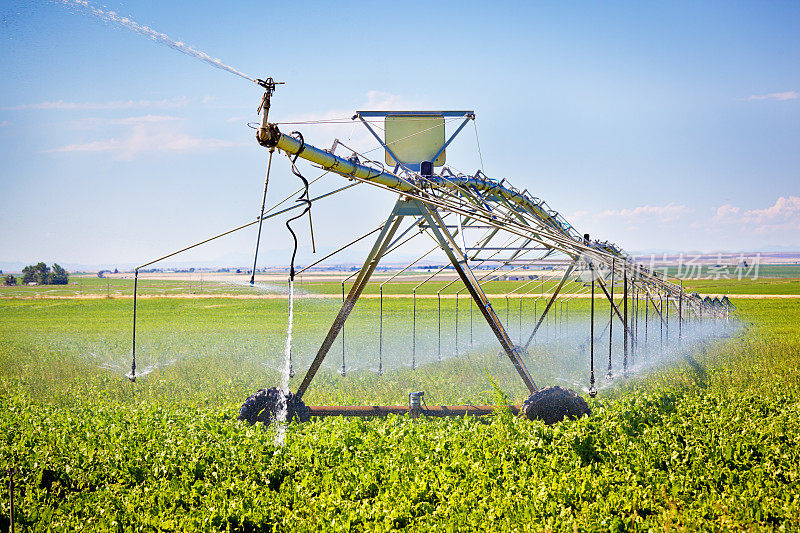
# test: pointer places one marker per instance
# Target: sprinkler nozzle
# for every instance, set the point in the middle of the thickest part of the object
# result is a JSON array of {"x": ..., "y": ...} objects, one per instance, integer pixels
[{"x": 269, "y": 84}]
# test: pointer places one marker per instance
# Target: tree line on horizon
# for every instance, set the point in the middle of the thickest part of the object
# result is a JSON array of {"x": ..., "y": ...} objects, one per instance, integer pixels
[{"x": 42, "y": 274}]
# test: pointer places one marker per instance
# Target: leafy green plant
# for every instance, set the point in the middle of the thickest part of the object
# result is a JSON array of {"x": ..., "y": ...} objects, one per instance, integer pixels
[{"x": 711, "y": 443}]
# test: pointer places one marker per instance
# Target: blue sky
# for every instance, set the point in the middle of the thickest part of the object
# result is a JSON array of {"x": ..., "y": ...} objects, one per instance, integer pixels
[{"x": 657, "y": 125}]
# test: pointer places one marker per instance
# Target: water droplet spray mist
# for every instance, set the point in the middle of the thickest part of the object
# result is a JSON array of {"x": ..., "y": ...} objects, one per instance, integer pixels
[{"x": 283, "y": 408}]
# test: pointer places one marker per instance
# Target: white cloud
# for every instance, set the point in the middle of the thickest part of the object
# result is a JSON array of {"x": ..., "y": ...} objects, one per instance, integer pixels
[
  {"x": 148, "y": 134},
  {"x": 783, "y": 215},
  {"x": 679, "y": 227},
  {"x": 146, "y": 119},
  {"x": 384, "y": 101},
  {"x": 661, "y": 213},
  {"x": 788, "y": 95},
  {"x": 783, "y": 209},
  {"x": 726, "y": 213},
  {"x": 89, "y": 123},
  {"x": 95, "y": 146},
  {"x": 61, "y": 105}
]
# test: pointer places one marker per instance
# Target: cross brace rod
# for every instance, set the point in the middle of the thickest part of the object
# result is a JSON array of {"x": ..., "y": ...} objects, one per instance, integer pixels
[
  {"x": 549, "y": 304},
  {"x": 387, "y": 233},
  {"x": 461, "y": 266},
  {"x": 656, "y": 308},
  {"x": 614, "y": 306}
]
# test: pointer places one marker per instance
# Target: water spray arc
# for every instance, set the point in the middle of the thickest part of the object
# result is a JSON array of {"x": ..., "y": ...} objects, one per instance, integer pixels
[{"x": 126, "y": 22}]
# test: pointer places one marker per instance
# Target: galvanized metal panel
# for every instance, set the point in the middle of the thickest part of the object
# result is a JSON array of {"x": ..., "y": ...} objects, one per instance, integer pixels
[{"x": 414, "y": 138}]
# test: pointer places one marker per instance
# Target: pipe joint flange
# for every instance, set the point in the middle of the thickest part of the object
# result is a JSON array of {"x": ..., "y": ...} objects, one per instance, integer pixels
[{"x": 268, "y": 136}]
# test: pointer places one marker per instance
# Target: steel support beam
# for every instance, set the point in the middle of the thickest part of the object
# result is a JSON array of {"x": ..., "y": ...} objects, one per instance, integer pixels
[
  {"x": 385, "y": 410},
  {"x": 387, "y": 233},
  {"x": 614, "y": 306},
  {"x": 549, "y": 304},
  {"x": 450, "y": 247},
  {"x": 680, "y": 313},
  {"x": 655, "y": 307},
  {"x": 611, "y": 322},
  {"x": 625, "y": 321},
  {"x": 592, "y": 389}
]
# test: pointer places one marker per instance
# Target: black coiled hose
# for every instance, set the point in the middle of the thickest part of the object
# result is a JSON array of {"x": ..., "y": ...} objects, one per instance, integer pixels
[{"x": 303, "y": 198}]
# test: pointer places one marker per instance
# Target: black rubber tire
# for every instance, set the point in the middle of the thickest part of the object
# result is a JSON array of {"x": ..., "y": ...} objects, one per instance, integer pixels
[
  {"x": 554, "y": 404},
  {"x": 264, "y": 404}
]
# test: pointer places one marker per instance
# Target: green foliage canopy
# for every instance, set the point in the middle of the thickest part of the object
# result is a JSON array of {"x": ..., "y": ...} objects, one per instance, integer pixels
[{"x": 43, "y": 275}]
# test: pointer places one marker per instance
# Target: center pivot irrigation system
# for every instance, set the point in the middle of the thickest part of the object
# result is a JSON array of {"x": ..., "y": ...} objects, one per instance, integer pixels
[{"x": 481, "y": 224}]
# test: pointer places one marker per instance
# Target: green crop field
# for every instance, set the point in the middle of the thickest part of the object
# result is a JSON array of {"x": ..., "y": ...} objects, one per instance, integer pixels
[
  {"x": 733, "y": 272},
  {"x": 709, "y": 439},
  {"x": 746, "y": 286},
  {"x": 92, "y": 286}
]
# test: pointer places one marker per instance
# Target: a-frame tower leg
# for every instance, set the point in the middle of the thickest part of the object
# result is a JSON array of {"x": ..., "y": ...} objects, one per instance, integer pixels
[
  {"x": 564, "y": 278},
  {"x": 381, "y": 244},
  {"x": 459, "y": 261}
]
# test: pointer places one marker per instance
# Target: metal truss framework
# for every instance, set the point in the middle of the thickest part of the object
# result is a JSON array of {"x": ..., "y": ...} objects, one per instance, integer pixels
[{"x": 492, "y": 223}]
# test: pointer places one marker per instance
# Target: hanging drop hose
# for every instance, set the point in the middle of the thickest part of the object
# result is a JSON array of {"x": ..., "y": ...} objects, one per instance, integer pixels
[
  {"x": 303, "y": 198},
  {"x": 261, "y": 216},
  {"x": 132, "y": 377},
  {"x": 343, "y": 370},
  {"x": 592, "y": 388}
]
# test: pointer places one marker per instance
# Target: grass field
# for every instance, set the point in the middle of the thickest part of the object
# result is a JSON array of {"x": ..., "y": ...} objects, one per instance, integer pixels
[
  {"x": 116, "y": 287},
  {"x": 732, "y": 272},
  {"x": 710, "y": 440}
]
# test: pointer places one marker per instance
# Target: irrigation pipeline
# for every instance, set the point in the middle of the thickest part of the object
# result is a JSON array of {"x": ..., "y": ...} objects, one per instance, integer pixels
[
  {"x": 535, "y": 222},
  {"x": 559, "y": 235},
  {"x": 528, "y": 220},
  {"x": 386, "y": 410}
]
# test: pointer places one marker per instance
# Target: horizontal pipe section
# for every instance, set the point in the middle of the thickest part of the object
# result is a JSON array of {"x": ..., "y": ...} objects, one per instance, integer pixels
[
  {"x": 385, "y": 410},
  {"x": 272, "y": 137}
]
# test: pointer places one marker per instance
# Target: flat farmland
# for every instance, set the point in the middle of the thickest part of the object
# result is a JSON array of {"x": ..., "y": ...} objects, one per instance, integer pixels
[{"x": 706, "y": 436}]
